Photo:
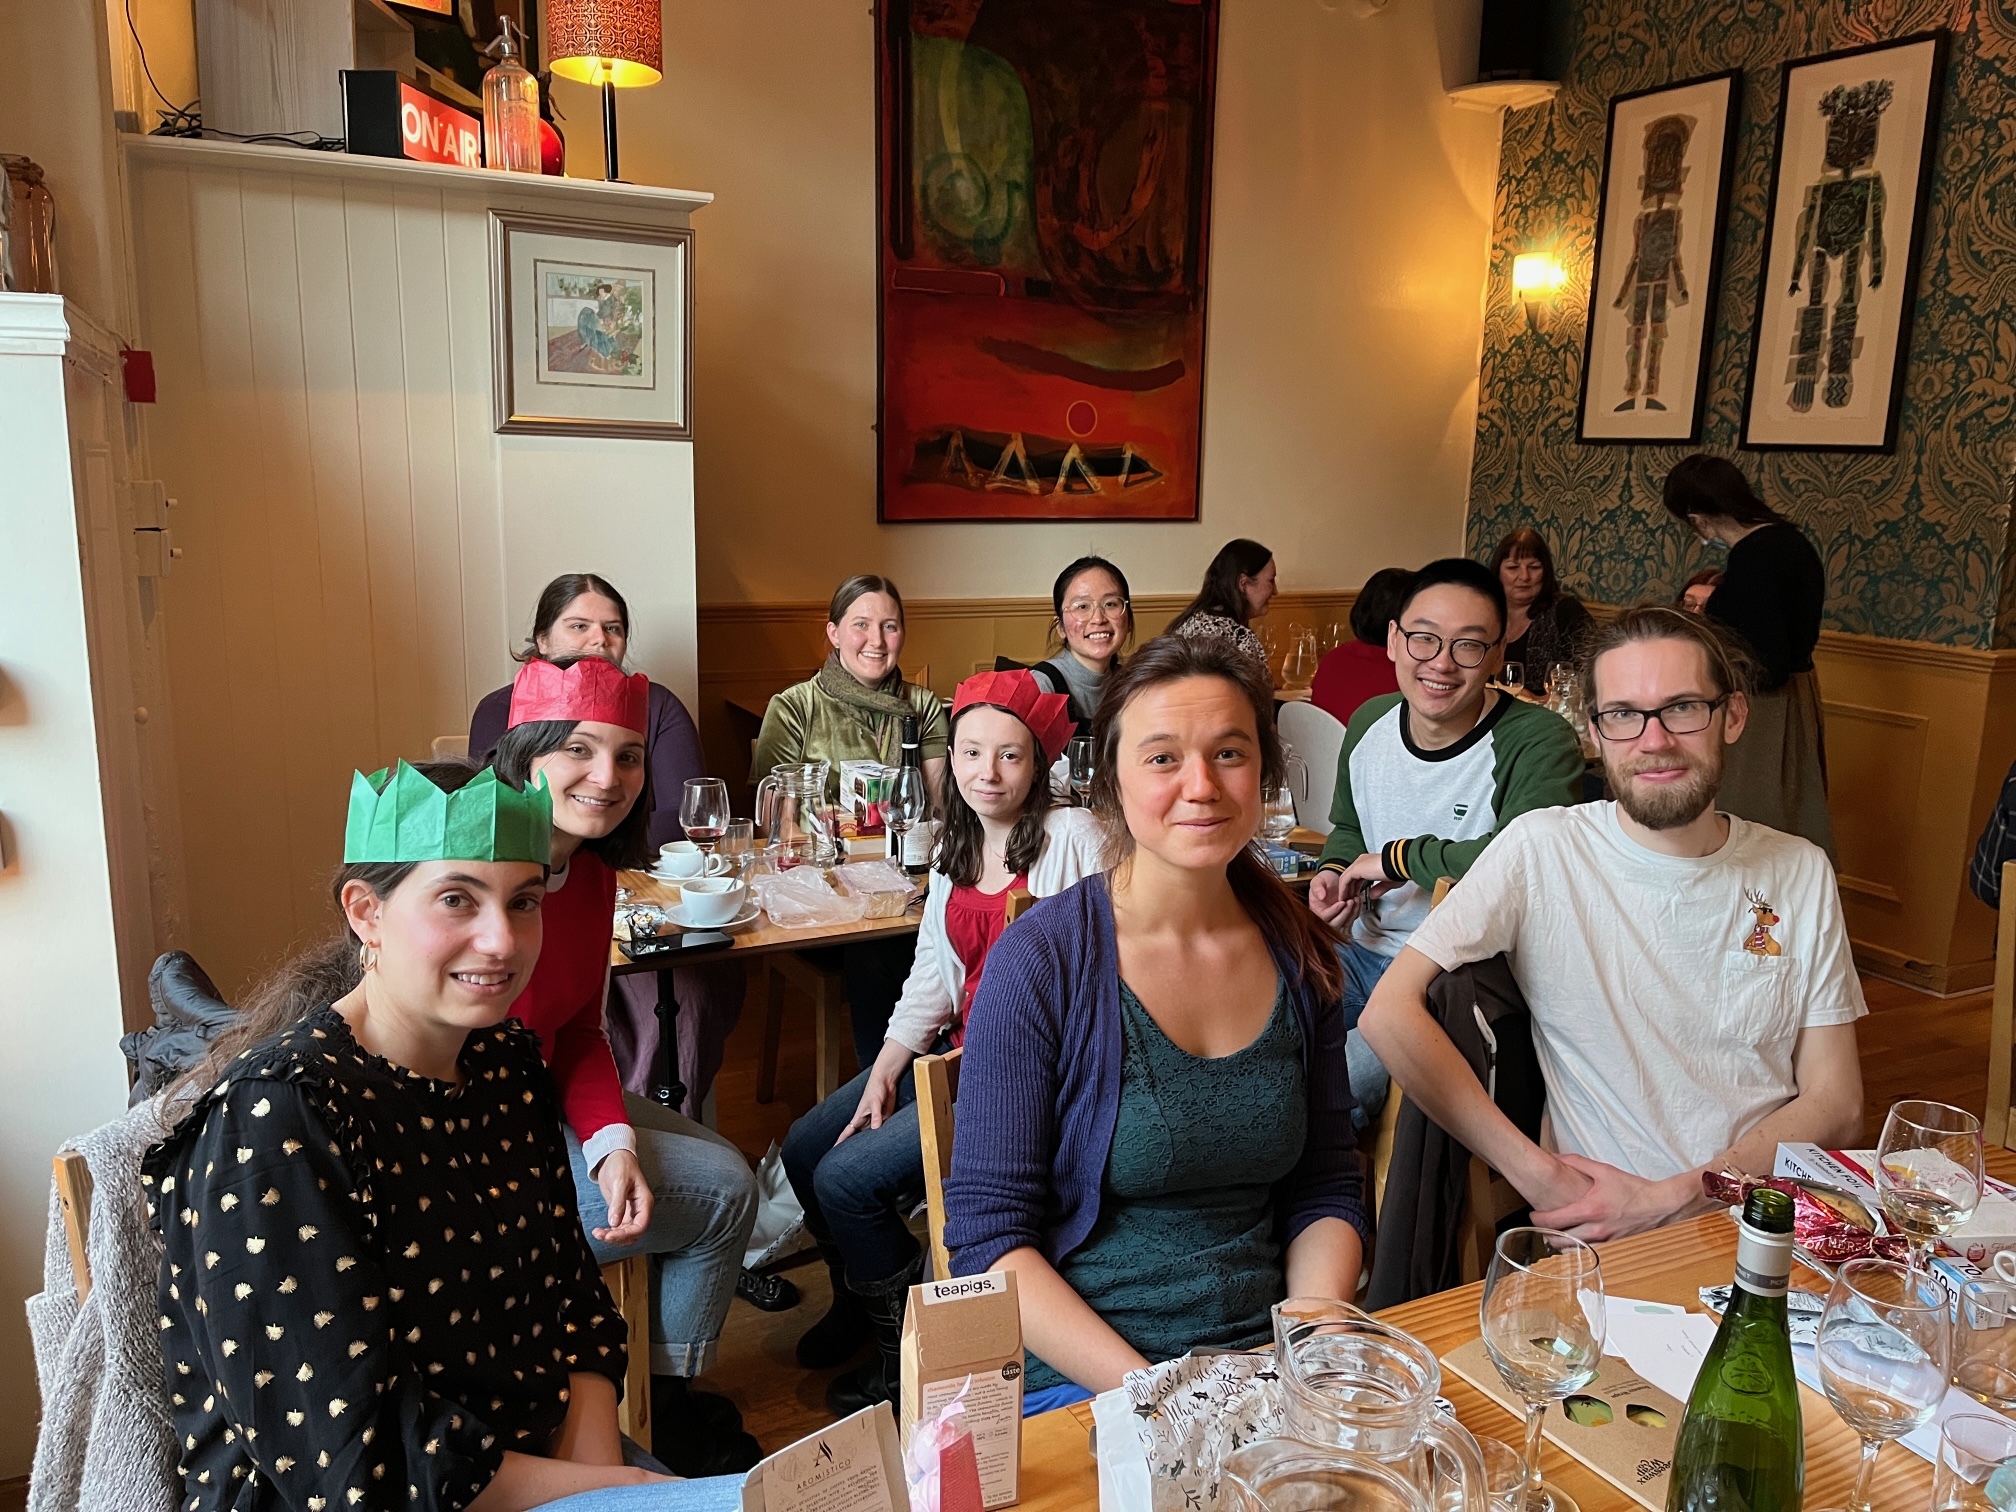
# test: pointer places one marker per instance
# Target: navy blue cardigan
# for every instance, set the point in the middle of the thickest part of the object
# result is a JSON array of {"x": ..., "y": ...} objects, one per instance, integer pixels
[{"x": 1039, "y": 1093}]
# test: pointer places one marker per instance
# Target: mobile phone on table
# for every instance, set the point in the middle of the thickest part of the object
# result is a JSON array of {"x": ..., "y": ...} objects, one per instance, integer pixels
[{"x": 689, "y": 942}]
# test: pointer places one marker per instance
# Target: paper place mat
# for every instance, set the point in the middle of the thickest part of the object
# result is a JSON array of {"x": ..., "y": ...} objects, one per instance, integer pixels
[{"x": 1633, "y": 1450}]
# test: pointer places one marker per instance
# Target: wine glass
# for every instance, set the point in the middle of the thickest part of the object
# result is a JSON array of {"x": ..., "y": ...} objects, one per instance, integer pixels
[
  {"x": 908, "y": 805},
  {"x": 1081, "y": 756},
  {"x": 1543, "y": 1326},
  {"x": 1333, "y": 637},
  {"x": 1976, "y": 1456},
  {"x": 1928, "y": 1172},
  {"x": 1884, "y": 1343},
  {"x": 703, "y": 811},
  {"x": 1513, "y": 676}
]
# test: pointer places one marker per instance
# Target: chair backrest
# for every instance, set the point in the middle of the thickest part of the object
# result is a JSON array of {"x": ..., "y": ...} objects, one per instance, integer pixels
[
  {"x": 937, "y": 1086},
  {"x": 629, "y": 1283},
  {"x": 1020, "y": 901},
  {"x": 2000, "y": 1123},
  {"x": 1491, "y": 1200},
  {"x": 1382, "y": 1148},
  {"x": 73, "y": 1188},
  {"x": 1317, "y": 737},
  {"x": 451, "y": 747}
]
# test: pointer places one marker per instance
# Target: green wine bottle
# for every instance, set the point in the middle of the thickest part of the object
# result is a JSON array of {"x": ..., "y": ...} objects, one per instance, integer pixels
[{"x": 1741, "y": 1446}]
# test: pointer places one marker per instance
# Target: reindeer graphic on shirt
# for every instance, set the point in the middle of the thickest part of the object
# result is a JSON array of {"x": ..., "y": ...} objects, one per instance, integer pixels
[{"x": 1760, "y": 941}]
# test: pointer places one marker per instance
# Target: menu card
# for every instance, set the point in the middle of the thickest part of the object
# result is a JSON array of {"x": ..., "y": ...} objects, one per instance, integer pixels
[
  {"x": 1620, "y": 1425},
  {"x": 853, "y": 1466}
]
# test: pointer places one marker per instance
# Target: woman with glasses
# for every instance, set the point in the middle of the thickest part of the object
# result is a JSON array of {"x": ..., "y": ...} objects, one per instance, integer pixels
[
  {"x": 1771, "y": 595},
  {"x": 1094, "y": 621}
]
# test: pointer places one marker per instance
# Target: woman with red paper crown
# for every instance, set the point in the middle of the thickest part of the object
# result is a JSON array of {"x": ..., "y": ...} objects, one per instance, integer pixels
[
  {"x": 854, "y": 1160},
  {"x": 648, "y": 1181}
]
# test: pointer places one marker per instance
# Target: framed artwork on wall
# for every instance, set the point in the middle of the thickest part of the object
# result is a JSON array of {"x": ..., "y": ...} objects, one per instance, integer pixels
[
  {"x": 1841, "y": 242},
  {"x": 1044, "y": 181},
  {"x": 1666, "y": 171},
  {"x": 591, "y": 328}
]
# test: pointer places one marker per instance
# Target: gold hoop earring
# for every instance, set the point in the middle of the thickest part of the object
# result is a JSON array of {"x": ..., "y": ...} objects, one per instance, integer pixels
[{"x": 367, "y": 958}]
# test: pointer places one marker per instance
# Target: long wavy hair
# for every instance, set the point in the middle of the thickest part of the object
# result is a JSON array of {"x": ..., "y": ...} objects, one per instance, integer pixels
[
  {"x": 1714, "y": 487},
  {"x": 962, "y": 841},
  {"x": 1283, "y": 919},
  {"x": 1221, "y": 593}
]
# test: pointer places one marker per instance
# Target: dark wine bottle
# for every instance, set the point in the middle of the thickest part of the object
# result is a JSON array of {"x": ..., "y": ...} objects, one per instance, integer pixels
[{"x": 1741, "y": 1444}]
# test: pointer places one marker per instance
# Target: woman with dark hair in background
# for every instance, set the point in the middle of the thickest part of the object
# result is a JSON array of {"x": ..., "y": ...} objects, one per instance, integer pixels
[
  {"x": 1122, "y": 1039},
  {"x": 1772, "y": 593},
  {"x": 580, "y": 614},
  {"x": 1238, "y": 587},
  {"x": 647, "y": 1181},
  {"x": 352, "y": 1299},
  {"x": 1094, "y": 620},
  {"x": 1543, "y": 625},
  {"x": 1361, "y": 668},
  {"x": 852, "y": 709}
]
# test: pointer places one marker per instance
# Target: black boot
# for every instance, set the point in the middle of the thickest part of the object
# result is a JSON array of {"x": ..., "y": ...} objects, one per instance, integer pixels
[
  {"x": 836, "y": 1338},
  {"x": 882, "y": 1377},
  {"x": 696, "y": 1433}
]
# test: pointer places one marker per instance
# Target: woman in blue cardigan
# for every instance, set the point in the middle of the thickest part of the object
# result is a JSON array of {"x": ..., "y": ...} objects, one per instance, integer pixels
[{"x": 1154, "y": 1109}]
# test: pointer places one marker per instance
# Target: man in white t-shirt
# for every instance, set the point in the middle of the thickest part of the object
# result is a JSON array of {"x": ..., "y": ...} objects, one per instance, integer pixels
[{"x": 1692, "y": 991}]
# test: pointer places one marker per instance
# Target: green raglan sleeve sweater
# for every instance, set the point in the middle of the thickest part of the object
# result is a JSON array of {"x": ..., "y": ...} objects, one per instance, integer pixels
[{"x": 1537, "y": 763}]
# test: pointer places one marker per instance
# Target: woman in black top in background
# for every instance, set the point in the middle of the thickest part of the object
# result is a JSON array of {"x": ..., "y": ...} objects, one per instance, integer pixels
[
  {"x": 1771, "y": 594},
  {"x": 1543, "y": 624}
]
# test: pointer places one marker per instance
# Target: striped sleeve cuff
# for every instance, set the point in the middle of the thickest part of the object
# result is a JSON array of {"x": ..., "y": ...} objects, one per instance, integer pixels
[{"x": 1393, "y": 858}]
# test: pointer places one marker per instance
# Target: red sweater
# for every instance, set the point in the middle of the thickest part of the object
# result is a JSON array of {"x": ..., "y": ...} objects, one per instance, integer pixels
[
  {"x": 562, "y": 1004},
  {"x": 1348, "y": 676}
]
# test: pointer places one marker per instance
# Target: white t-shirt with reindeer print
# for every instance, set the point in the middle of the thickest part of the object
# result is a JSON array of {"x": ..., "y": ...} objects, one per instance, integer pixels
[{"x": 1667, "y": 992}]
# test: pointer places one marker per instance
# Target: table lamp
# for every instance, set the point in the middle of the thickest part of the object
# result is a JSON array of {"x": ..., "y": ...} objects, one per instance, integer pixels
[{"x": 611, "y": 43}]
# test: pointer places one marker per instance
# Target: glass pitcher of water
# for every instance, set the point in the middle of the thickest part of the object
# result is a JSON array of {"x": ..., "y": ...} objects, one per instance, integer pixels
[
  {"x": 1362, "y": 1430},
  {"x": 791, "y": 808}
]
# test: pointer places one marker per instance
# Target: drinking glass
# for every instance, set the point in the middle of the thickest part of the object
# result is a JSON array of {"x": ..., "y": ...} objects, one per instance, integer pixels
[
  {"x": 1333, "y": 637},
  {"x": 1884, "y": 1343},
  {"x": 1976, "y": 1469},
  {"x": 1543, "y": 1326},
  {"x": 908, "y": 805},
  {"x": 1514, "y": 675},
  {"x": 1928, "y": 1172},
  {"x": 1080, "y": 751},
  {"x": 1277, "y": 819},
  {"x": 738, "y": 844},
  {"x": 1984, "y": 1343},
  {"x": 703, "y": 811}
]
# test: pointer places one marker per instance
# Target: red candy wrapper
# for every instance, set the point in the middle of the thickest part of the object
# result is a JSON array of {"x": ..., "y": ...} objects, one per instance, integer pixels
[{"x": 1821, "y": 1230}]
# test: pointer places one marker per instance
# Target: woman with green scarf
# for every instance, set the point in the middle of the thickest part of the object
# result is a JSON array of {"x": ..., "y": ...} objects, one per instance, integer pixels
[{"x": 852, "y": 709}]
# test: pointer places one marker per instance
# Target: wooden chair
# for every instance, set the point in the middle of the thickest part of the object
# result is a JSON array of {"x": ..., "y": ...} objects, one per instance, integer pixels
[
  {"x": 629, "y": 1283},
  {"x": 73, "y": 1190},
  {"x": 937, "y": 1089},
  {"x": 1999, "y": 1123}
]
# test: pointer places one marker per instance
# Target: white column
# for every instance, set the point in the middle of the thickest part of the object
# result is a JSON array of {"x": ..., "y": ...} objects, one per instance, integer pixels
[{"x": 60, "y": 1068}]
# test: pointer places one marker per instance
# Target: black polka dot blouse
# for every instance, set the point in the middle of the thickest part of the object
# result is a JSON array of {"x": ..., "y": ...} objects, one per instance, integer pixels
[{"x": 375, "y": 1283}]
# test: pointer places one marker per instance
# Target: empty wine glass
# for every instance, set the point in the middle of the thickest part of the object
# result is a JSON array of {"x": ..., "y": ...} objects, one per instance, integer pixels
[
  {"x": 1333, "y": 637},
  {"x": 1543, "y": 1326},
  {"x": 908, "y": 805},
  {"x": 703, "y": 811},
  {"x": 1081, "y": 756},
  {"x": 1514, "y": 675},
  {"x": 1884, "y": 1343},
  {"x": 1928, "y": 1172}
]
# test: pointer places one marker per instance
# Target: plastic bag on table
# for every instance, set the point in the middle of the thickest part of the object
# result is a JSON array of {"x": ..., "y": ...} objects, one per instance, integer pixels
[
  {"x": 805, "y": 898},
  {"x": 883, "y": 886}
]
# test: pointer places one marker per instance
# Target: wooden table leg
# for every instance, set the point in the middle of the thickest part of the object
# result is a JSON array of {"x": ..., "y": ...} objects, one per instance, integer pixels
[
  {"x": 773, "y": 1035},
  {"x": 827, "y": 1010}
]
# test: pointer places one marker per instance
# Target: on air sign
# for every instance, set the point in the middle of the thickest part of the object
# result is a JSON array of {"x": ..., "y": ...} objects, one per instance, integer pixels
[{"x": 386, "y": 116}]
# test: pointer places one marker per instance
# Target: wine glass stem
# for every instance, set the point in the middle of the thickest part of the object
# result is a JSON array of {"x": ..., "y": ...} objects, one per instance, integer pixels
[
  {"x": 1535, "y": 1495},
  {"x": 1865, "y": 1475}
]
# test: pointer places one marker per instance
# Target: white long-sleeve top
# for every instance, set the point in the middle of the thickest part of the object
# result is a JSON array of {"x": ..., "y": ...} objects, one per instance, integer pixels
[{"x": 1073, "y": 848}]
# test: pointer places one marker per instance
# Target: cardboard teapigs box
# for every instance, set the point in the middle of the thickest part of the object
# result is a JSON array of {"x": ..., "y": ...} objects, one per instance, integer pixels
[{"x": 970, "y": 1326}]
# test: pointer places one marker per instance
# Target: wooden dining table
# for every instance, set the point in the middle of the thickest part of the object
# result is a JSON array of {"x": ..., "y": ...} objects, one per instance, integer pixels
[{"x": 1670, "y": 1264}]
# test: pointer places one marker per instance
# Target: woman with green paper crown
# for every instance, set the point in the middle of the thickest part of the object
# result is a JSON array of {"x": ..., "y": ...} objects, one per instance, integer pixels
[{"x": 375, "y": 1288}]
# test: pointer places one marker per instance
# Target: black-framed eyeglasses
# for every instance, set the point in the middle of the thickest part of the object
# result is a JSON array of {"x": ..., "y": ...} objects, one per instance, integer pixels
[
  {"x": 1684, "y": 716},
  {"x": 1424, "y": 646}
]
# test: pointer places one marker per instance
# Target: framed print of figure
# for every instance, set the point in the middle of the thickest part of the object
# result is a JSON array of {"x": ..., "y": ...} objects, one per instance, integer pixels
[
  {"x": 1841, "y": 242},
  {"x": 1666, "y": 170}
]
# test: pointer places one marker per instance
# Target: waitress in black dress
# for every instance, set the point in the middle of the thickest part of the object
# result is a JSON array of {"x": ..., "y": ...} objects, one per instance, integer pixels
[{"x": 1771, "y": 594}]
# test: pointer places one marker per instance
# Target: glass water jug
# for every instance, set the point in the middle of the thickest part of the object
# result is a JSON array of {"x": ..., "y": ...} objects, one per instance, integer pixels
[{"x": 791, "y": 808}]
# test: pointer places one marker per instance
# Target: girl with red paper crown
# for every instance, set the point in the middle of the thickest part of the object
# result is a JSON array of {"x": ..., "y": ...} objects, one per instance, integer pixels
[
  {"x": 854, "y": 1160},
  {"x": 648, "y": 1181}
]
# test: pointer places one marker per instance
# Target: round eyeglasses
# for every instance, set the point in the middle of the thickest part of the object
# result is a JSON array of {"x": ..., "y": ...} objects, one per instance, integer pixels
[
  {"x": 1113, "y": 608},
  {"x": 1424, "y": 646},
  {"x": 1684, "y": 716}
]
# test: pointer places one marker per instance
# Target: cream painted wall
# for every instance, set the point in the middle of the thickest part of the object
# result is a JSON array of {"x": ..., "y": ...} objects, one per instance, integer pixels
[
  {"x": 1352, "y": 214},
  {"x": 59, "y": 989}
]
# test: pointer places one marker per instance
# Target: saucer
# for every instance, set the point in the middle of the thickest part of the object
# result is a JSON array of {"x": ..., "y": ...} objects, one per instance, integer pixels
[
  {"x": 676, "y": 912},
  {"x": 676, "y": 878}
]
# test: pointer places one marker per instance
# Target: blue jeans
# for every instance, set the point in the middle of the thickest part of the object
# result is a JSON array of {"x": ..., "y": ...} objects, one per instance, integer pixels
[
  {"x": 856, "y": 1194},
  {"x": 1369, "y": 1081},
  {"x": 717, "y": 1493},
  {"x": 703, "y": 1205}
]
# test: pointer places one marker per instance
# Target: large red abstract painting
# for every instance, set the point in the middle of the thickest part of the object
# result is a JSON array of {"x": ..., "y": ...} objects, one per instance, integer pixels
[{"x": 1045, "y": 196}]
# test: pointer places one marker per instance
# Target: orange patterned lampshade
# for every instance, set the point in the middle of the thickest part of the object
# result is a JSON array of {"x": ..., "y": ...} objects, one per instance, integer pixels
[{"x": 605, "y": 41}]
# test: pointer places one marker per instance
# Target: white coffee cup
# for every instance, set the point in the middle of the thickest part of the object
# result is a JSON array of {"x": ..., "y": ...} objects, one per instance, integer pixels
[
  {"x": 2005, "y": 1266},
  {"x": 711, "y": 900},
  {"x": 682, "y": 858}
]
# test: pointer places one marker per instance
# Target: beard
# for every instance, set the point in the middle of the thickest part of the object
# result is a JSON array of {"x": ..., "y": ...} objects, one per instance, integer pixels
[{"x": 1669, "y": 805}]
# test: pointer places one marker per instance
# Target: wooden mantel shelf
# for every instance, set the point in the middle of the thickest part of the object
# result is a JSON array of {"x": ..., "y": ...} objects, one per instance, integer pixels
[{"x": 558, "y": 195}]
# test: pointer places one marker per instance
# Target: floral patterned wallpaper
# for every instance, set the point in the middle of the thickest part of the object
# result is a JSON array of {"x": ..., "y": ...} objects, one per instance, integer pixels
[{"x": 1917, "y": 543}]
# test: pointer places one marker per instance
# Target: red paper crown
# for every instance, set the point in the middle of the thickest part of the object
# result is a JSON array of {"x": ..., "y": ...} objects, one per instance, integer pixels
[
  {"x": 1048, "y": 715},
  {"x": 590, "y": 689}
]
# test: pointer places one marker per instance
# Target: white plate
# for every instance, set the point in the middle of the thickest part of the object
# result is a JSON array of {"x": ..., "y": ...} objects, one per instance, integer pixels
[{"x": 676, "y": 912}]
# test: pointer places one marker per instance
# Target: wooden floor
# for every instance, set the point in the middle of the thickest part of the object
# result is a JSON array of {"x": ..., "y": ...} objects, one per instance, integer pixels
[{"x": 1912, "y": 1046}]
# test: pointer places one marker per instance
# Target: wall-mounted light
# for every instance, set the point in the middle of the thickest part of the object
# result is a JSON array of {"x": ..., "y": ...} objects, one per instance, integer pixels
[{"x": 1536, "y": 278}]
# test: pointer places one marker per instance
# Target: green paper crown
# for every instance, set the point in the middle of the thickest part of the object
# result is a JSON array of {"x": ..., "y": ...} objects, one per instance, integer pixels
[{"x": 410, "y": 819}]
